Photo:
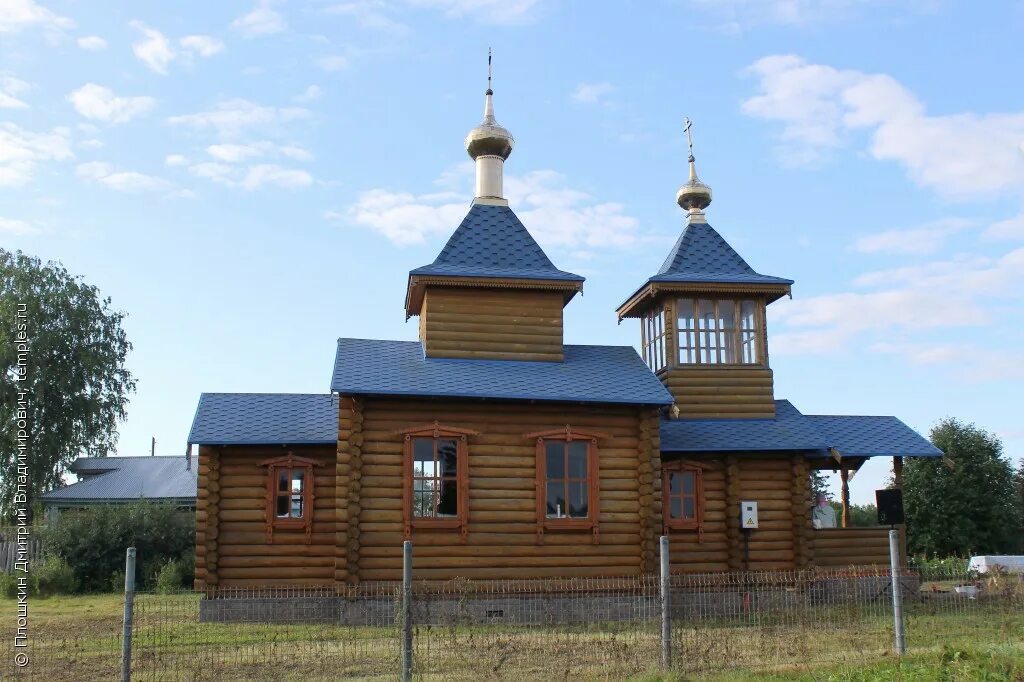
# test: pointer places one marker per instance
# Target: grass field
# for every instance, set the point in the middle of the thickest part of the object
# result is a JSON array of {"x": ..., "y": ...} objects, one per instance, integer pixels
[{"x": 79, "y": 638}]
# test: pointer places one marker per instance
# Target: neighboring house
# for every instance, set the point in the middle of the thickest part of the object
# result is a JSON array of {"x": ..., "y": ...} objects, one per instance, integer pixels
[
  {"x": 503, "y": 452},
  {"x": 118, "y": 480}
]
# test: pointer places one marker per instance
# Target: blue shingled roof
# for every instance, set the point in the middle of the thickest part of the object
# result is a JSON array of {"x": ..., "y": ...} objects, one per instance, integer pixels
[
  {"x": 492, "y": 242},
  {"x": 857, "y": 436},
  {"x": 113, "y": 479},
  {"x": 265, "y": 418},
  {"x": 702, "y": 255},
  {"x": 790, "y": 430},
  {"x": 589, "y": 374},
  {"x": 852, "y": 436}
]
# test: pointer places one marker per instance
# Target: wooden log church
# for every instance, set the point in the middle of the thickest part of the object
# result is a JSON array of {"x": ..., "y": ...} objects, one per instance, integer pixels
[{"x": 503, "y": 452}]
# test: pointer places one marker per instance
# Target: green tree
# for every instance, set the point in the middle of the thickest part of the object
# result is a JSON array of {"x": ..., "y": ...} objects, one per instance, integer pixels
[
  {"x": 819, "y": 484},
  {"x": 965, "y": 503},
  {"x": 76, "y": 384}
]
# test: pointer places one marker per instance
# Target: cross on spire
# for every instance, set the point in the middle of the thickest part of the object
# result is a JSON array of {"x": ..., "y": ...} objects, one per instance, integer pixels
[
  {"x": 687, "y": 124},
  {"x": 489, "y": 91}
]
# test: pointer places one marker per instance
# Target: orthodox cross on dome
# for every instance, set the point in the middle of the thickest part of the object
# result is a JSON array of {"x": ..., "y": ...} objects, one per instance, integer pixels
[
  {"x": 694, "y": 196},
  {"x": 687, "y": 124},
  {"x": 489, "y": 91}
]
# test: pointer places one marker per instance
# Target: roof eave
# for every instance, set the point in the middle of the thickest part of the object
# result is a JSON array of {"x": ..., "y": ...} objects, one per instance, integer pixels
[
  {"x": 468, "y": 395},
  {"x": 418, "y": 283},
  {"x": 635, "y": 305}
]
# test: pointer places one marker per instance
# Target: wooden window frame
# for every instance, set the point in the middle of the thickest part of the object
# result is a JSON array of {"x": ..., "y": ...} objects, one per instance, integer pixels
[
  {"x": 290, "y": 462},
  {"x": 461, "y": 520},
  {"x": 592, "y": 520},
  {"x": 655, "y": 338},
  {"x": 696, "y": 523},
  {"x": 736, "y": 333}
]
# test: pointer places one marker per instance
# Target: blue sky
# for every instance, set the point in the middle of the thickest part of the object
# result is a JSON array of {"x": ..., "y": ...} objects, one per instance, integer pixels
[{"x": 251, "y": 181}]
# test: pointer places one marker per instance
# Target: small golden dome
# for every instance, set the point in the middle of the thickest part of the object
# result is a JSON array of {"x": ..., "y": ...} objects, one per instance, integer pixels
[
  {"x": 694, "y": 194},
  {"x": 489, "y": 138}
]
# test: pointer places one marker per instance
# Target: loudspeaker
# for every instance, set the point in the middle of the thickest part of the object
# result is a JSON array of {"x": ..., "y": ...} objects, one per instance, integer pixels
[{"x": 890, "y": 507}]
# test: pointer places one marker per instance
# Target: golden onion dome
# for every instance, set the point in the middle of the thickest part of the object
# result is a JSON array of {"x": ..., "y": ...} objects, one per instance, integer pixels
[
  {"x": 694, "y": 194},
  {"x": 489, "y": 138}
]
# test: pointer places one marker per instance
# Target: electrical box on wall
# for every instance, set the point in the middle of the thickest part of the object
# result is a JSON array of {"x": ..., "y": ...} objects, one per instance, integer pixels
[{"x": 748, "y": 514}]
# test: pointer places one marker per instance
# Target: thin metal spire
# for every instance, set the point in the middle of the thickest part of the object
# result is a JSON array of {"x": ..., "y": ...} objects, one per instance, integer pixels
[
  {"x": 687, "y": 124},
  {"x": 489, "y": 91},
  {"x": 694, "y": 196}
]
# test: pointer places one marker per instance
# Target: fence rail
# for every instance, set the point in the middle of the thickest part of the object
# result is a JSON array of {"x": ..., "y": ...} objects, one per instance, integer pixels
[{"x": 606, "y": 628}]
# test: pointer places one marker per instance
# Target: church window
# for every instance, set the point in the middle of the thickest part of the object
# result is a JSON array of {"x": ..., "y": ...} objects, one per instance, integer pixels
[{"x": 717, "y": 332}]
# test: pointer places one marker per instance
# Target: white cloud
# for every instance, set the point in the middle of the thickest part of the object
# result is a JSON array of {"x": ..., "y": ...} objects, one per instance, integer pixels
[
  {"x": 506, "y": 12},
  {"x": 330, "y": 63},
  {"x": 129, "y": 182},
  {"x": 175, "y": 160},
  {"x": 99, "y": 103},
  {"x": 820, "y": 107},
  {"x": 592, "y": 93},
  {"x": 262, "y": 20},
  {"x": 310, "y": 94},
  {"x": 92, "y": 43},
  {"x": 252, "y": 177},
  {"x": 204, "y": 46},
  {"x": 92, "y": 143},
  {"x": 10, "y": 88},
  {"x": 235, "y": 153},
  {"x": 18, "y": 15},
  {"x": 734, "y": 16},
  {"x": 231, "y": 117},
  {"x": 1011, "y": 228},
  {"x": 17, "y": 227},
  {"x": 556, "y": 215},
  {"x": 370, "y": 14},
  {"x": 923, "y": 239},
  {"x": 22, "y": 151},
  {"x": 912, "y": 299},
  {"x": 269, "y": 174},
  {"x": 153, "y": 49}
]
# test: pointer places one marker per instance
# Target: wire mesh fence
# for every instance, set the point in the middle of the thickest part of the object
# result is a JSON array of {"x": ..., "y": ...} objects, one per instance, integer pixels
[{"x": 785, "y": 621}]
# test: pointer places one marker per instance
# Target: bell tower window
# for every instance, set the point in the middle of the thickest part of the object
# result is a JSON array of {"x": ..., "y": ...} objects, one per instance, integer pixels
[
  {"x": 655, "y": 340},
  {"x": 719, "y": 331}
]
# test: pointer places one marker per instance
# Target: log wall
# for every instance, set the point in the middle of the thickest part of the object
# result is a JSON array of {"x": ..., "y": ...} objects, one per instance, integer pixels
[
  {"x": 777, "y": 483},
  {"x": 707, "y": 552},
  {"x": 496, "y": 324},
  {"x": 851, "y": 547},
  {"x": 721, "y": 392},
  {"x": 235, "y": 549},
  {"x": 502, "y": 539}
]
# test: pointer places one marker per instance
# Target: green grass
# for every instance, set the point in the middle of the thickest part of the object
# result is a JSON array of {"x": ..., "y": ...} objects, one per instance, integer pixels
[{"x": 79, "y": 638}]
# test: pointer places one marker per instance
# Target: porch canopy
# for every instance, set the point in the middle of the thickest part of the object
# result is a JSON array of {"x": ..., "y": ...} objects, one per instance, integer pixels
[{"x": 851, "y": 438}]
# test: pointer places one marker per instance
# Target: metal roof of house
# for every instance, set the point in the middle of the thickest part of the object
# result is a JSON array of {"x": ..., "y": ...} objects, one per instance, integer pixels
[
  {"x": 128, "y": 478},
  {"x": 861, "y": 436},
  {"x": 589, "y": 374},
  {"x": 492, "y": 242},
  {"x": 702, "y": 255},
  {"x": 265, "y": 418},
  {"x": 852, "y": 436}
]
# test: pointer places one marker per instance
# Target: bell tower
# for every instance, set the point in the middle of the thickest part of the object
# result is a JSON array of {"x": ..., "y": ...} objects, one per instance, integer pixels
[
  {"x": 492, "y": 293},
  {"x": 702, "y": 318}
]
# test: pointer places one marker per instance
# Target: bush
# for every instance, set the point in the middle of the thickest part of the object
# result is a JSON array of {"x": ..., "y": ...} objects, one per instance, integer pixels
[
  {"x": 93, "y": 541},
  {"x": 171, "y": 577},
  {"x": 53, "y": 576},
  {"x": 8, "y": 585}
]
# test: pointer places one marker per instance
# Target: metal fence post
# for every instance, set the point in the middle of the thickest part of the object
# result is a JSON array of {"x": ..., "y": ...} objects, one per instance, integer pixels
[
  {"x": 897, "y": 593},
  {"x": 129, "y": 609},
  {"x": 666, "y": 607},
  {"x": 407, "y": 611}
]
